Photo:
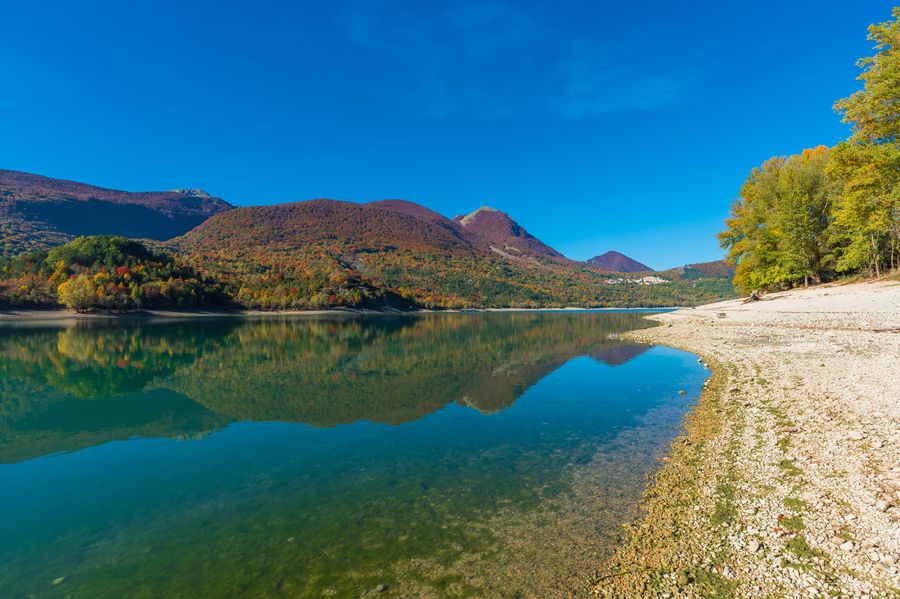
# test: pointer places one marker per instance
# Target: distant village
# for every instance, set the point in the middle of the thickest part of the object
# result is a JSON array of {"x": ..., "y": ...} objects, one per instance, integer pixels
[{"x": 648, "y": 280}]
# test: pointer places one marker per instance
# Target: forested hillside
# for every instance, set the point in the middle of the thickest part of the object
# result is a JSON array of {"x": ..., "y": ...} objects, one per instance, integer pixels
[
  {"x": 828, "y": 212},
  {"x": 254, "y": 261},
  {"x": 108, "y": 273},
  {"x": 327, "y": 253},
  {"x": 305, "y": 255}
]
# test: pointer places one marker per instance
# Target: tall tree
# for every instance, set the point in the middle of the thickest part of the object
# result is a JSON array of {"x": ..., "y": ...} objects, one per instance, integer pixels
[
  {"x": 750, "y": 241},
  {"x": 867, "y": 212},
  {"x": 779, "y": 231},
  {"x": 801, "y": 218}
]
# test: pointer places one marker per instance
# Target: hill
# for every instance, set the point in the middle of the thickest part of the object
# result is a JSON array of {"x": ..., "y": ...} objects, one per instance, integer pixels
[
  {"x": 501, "y": 234},
  {"x": 41, "y": 212},
  {"x": 428, "y": 215},
  {"x": 617, "y": 262},
  {"x": 367, "y": 227},
  {"x": 323, "y": 253},
  {"x": 314, "y": 254},
  {"x": 717, "y": 269}
]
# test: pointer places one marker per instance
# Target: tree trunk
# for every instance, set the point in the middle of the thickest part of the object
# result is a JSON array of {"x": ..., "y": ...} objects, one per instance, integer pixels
[
  {"x": 875, "y": 256},
  {"x": 893, "y": 254}
]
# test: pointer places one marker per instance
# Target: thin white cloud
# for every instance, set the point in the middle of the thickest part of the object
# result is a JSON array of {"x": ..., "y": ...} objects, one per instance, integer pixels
[
  {"x": 600, "y": 82},
  {"x": 495, "y": 60}
]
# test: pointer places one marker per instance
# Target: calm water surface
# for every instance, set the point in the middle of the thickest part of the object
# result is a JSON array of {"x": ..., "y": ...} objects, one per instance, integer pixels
[{"x": 441, "y": 455}]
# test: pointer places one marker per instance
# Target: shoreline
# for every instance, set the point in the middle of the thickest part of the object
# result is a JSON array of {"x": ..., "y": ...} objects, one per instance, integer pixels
[
  {"x": 17, "y": 315},
  {"x": 786, "y": 478}
]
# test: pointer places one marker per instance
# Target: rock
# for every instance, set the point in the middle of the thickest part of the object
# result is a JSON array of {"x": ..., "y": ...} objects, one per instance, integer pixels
[
  {"x": 789, "y": 429},
  {"x": 754, "y": 546},
  {"x": 882, "y": 506},
  {"x": 856, "y": 435},
  {"x": 381, "y": 588},
  {"x": 847, "y": 546},
  {"x": 681, "y": 392},
  {"x": 59, "y": 580}
]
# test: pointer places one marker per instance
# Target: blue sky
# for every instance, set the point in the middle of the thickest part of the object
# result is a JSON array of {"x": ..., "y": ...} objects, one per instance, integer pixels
[{"x": 596, "y": 125}]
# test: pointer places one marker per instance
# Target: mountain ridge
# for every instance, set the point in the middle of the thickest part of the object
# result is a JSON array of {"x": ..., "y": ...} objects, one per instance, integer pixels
[
  {"x": 321, "y": 253},
  {"x": 505, "y": 236},
  {"x": 365, "y": 225},
  {"x": 39, "y": 212}
]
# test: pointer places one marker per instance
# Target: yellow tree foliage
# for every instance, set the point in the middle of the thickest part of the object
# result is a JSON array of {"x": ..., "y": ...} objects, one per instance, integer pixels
[
  {"x": 867, "y": 213},
  {"x": 78, "y": 293}
]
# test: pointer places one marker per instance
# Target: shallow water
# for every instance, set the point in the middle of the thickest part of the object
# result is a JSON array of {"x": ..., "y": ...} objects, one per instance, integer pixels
[{"x": 438, "y": 455}]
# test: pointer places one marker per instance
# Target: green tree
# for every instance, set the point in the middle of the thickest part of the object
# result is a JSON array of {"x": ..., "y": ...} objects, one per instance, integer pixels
[
  {"x": 79, "y": 293},
  {"x": 100, "y": 251},
  {"x": 867, "y": 212},
  {"x": 749, "y": 239},
  {"x": 778, "y": 234},
  {"x": 801, "y": 218}
]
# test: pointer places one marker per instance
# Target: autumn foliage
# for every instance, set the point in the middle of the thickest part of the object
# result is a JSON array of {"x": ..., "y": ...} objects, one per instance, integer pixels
[
  {"x": 828, "y": 211},
  {"x": 103, "y": 273}
]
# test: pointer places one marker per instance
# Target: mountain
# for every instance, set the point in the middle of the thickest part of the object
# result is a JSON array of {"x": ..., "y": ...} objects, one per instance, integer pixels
[
  {"x": 389, "y": 254},
  {"x": 344, "y": 227},
  {"x": 617, "y": 262},
  {"x": 505, "y": 236},
  {"x": 717, "y": 269},
  {"x": 323, "y": 253},
  {"x": 39, "y": 212}
]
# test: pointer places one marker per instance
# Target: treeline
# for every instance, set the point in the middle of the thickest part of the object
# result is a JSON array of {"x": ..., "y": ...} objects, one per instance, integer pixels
[
  {"x": 827, "y": 212},
  {"x": 332, "y": 275},
  {"x": 106, "y": 273},
  {"x": 115, "y": 273}
]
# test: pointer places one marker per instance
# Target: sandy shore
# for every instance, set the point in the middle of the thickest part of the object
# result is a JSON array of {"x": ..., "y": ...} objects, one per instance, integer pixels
[{"x": 786, "y": 482}]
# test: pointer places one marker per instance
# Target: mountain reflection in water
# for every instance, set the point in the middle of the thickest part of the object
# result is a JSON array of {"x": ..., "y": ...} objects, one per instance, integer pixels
[
  {"x": 434, "y": 455},
  {"x": 63, "y": 389}
]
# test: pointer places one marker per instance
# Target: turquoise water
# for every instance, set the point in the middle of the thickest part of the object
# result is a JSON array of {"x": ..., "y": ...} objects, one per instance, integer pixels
[{"x": 483, "y": 455}]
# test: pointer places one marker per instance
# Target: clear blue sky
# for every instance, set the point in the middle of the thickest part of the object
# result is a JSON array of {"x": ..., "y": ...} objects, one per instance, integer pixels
[{"x": 596, "y": 125}]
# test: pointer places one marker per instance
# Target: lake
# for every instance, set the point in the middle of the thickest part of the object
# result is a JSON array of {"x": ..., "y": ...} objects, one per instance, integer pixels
[{"x": 429, "y": 455}]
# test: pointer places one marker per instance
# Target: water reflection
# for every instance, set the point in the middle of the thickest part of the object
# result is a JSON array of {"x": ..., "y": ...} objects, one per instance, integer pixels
[
  {"x": 64, "y": 389},
  {"x": 441, "y": 455}
]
